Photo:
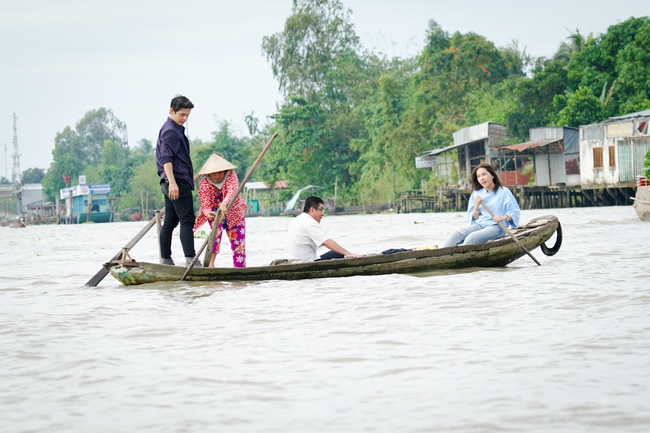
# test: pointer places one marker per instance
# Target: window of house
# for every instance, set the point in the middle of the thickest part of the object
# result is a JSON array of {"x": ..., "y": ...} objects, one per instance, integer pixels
[
  {"x": 598, "y": 157},
  {"x": 612, "y": 156}
]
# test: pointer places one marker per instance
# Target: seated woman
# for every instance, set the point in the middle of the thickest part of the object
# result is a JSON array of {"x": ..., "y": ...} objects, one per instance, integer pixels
[{"x": 483, "y": 227}]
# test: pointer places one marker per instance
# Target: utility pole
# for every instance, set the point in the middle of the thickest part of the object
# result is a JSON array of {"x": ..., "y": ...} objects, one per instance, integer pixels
[
  {"x": 6, "y": 172},
  {"x": 15, "y": 172}
]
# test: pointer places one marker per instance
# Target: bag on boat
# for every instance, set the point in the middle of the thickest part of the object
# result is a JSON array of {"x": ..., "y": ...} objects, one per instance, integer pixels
[{"x": 394, "y": 250}]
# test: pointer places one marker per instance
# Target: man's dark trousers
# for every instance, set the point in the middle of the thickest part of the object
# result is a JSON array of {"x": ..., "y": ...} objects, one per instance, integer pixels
[{"x": 179, "y": 210}]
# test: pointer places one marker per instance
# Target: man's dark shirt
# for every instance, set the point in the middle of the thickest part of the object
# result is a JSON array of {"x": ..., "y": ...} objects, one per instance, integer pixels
[{"x": 173, "y": 146}]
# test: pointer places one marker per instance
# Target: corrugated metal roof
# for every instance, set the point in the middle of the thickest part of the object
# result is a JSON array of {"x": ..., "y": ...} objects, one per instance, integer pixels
[
  {"x": 531, "y": 144},
  {"x": 444, "y": 149},
  {"x": 256, "y": 185},
  {"x": 631, "y": 115},
  {"x": 32, "y": 187},
  {"x": 280, "y": 184}
]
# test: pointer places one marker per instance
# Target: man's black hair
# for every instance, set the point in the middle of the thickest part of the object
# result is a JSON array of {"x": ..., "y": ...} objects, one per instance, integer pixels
[
  {"x": 312, "y": 202},
  {"x": 179, "y": 102}
]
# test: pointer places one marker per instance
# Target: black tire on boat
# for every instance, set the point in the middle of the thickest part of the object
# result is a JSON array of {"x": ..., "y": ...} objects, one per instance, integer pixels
[{"x": 558, "y": 243}]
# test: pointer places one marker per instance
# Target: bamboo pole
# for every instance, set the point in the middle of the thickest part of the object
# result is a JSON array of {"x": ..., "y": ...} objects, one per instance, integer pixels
[
  {"x": 90, "y": 206},
  {"x": 158, "y": 228},
  {"x": 505, "y": 229}
]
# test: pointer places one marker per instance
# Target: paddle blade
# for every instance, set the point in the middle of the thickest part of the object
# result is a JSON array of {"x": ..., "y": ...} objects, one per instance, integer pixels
[{"x": 99, "y": 276}]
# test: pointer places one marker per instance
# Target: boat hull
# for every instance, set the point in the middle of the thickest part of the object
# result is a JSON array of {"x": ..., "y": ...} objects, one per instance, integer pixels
[
  {"x": 96, "y": 217},
  {"x": 642, "y": 202},
  {"x": 495, "y": 253}
]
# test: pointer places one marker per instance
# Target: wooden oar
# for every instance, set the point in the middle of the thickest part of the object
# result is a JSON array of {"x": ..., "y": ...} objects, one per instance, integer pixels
[
  {"x": 218, "y": 219},
  {"x": 99, "y": 276},
  {"x": 505, "y": 229}
]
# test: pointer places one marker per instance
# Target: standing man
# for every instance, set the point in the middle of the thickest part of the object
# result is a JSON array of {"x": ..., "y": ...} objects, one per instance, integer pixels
[
  {"x": 306, "y": 235},
  {"x": 176, "y": 180}
]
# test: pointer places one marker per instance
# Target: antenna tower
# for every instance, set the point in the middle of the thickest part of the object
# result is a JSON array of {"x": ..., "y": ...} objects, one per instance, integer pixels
[{"x": 15, "y": 171}]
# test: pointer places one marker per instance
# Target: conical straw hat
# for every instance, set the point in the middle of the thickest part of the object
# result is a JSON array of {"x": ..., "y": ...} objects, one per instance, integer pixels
[{"x": 214, "y": 164}]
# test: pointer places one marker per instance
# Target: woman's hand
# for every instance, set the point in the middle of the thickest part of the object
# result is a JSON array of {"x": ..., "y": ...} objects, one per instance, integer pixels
[
  {"x": 211, "y": 216},
  {"x": 224, "y": 209},
  {"x": 477, "y": 207}
]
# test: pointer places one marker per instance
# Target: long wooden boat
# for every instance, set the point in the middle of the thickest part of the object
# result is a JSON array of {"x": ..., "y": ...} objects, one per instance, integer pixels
[
  {"x": 494, "y": 253},
  {"x": 642, "y": 202}
]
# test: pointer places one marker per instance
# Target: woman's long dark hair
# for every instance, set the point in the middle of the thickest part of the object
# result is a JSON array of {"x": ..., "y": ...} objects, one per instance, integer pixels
[{"x": 476, "y": 185}]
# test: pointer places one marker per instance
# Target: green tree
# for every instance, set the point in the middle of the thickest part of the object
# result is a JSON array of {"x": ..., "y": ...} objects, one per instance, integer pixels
[
  {"x": 601, "y": 61},
  {"x": 464, "y": 62},
  {"x": 113, "y": 154},
  {"x": 144, "y": 184},
  {"x": 516, "y": 61},
  {"x": 67, "y": 143},
  {"x": 145, "y": 147},
  {"x": 316, "y": 53},
  {"x": 633, "y": 70},
  {"x": 534, "y": 98},
  {"x": 251, "y": 123},
  {"x": 491, "y": 103},
  {"x": 94, "y": 129},
  {"x": 66, "y": 165},
  {"x": 33, "y": 175},
  {"x": 234, "y": 149},
  {"x": 318, "y": 67},
  {"x": 451, "y": 67},
  {"x": 581, "y": 108},
  {"x": 385, "y": 164},
  {"x": 568, "y": 49},
  {"x": 4, "y": 181},
  {"x": 75, "y": 150}
]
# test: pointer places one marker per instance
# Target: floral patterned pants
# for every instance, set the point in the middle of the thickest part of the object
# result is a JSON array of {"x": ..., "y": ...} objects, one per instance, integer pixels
[{"x": 237, "y": 236}]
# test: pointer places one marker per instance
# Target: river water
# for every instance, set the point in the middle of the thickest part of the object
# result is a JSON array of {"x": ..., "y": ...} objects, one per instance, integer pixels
[{"x": 562, "y": 347}]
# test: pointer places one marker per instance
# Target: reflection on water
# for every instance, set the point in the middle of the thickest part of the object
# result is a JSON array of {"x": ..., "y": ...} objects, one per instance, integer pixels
[{"x": 558, "y": 347}]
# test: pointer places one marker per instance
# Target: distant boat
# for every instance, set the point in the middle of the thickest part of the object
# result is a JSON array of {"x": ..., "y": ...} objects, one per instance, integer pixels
[
  {"x": 131, "y": 214},
  {"x": 495, "y": 253},
  {"x": 642, "y": 200},
  {"x": 292, "y": 202}
]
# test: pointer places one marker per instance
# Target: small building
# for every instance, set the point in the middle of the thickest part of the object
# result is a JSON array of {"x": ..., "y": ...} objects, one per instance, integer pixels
[
  {"x": 262, "y": 199},
  {"x": 474, "y": 144},
  {"x": 612, "y": 152},
  {"x": 32, "y": 194},
  {"x": 77, "y": 200},
  {"x": 553, "y": 155}
]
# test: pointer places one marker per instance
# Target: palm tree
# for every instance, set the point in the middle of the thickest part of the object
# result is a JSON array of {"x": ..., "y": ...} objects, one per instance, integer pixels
[
  {"x": 516, "y": 61},
  {"x": 145, "y": 147},
  {"x": 251, "y": 123},
  {"x": 575, "y": 45}
]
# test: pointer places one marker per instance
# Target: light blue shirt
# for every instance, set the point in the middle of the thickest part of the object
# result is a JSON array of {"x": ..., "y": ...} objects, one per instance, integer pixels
[{"x": 500, "y": 201}]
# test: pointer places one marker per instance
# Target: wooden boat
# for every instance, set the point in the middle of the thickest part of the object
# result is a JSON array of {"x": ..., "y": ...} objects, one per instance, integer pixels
[
  {"x": 642, "y": 202},
  {"x": 494, "y": 253}
]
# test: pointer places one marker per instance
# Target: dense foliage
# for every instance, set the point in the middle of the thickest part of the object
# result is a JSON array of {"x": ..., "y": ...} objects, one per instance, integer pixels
[{"x": 356, "y": 119}]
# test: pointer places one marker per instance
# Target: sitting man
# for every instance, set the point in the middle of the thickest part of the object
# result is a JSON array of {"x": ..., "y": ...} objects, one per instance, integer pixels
[{"x": 306, "y": 235}]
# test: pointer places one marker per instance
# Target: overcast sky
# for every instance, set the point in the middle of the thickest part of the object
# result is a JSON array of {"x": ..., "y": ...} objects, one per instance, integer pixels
[{"x": 62, "y": 58}]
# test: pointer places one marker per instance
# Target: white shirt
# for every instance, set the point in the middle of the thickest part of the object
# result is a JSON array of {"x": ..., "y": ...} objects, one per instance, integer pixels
[{"x": 303, "y": 239}]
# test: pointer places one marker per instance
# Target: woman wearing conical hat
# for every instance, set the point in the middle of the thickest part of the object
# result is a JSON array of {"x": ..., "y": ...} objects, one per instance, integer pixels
[{"x": 216, "y": 190}]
